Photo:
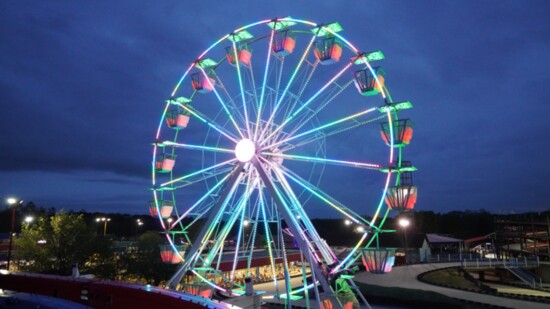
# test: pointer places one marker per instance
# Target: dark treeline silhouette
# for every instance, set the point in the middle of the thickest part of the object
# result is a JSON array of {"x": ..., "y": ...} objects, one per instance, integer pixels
[{"x": 459, "y": 224}]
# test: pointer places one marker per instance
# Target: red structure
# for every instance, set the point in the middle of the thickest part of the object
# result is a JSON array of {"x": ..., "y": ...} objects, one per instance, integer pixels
[
  {"x": 378, "y": 261},
  {"x": 401, "y": 198},
  {"x": 169, "y": 256},
  {"x": 104, "y": 294},
  {"x": 201, "y": 84},
  {"x": 166, "y": 208},
  {"x": 165, "y": 163},
  {"x": 177, "y": 119},
  {"x": 402, "y": 132},
  {"x": 366, "y": 83},
  {"x": 283, "y": 43},
  {"x": 328, "y": 50},
  {"x": 243, "y": 54}
]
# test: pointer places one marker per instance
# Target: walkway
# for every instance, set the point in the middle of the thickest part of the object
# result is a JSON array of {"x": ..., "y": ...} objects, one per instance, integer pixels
[{"x": 405, "y": 277}]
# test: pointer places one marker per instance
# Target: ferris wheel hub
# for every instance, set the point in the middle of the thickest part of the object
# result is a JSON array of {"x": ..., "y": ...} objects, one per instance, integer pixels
[{"x": 245, "y": 150}]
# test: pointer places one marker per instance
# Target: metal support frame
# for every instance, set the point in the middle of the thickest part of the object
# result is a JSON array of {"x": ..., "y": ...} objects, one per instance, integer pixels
[
  {"x": 302, "y": 242},
  {"x": 214, "y": 214}
]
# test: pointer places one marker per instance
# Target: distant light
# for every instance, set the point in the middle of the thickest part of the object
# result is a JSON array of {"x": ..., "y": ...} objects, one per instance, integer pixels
[
  {"x": 298, "y": 217},
  {"x": 29, "y": 219},
  {"x": 170, "y": 220},
  {"x": 347, "y": 222},
  {"x": 12, "y": 200},
  {"x": 140, "y": 223},
  {"x": 360, "y": 229},
  {"x": 97, "y": 219},
  {"x": 42, "y": 241},
  {"x": 404, "y": 222},
  {"x": 246, "y": 222},
  {"x": 245, "y": 150}
]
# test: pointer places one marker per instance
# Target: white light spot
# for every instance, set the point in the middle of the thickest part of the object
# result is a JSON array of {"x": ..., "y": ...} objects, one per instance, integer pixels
[{"x": 245, "y": 150}]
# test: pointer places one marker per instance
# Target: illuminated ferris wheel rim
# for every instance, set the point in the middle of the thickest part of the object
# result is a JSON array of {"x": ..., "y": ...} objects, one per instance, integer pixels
[
  {"x": 306, "y": 22},
  {"x": 360, "y": 57},
  {"x": 248, "y": 148}
]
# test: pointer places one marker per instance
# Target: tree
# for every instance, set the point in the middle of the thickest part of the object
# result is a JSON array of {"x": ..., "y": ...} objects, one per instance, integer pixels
[
  {"x": 53, "y": 245},
  {"x": 146, "y": 263}
]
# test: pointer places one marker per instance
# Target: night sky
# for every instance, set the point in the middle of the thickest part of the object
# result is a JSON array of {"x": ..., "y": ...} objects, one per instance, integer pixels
[{"x": 83, "y": 84}]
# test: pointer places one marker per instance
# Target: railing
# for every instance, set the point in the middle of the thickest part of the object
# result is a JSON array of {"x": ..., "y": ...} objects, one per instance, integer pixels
[
  {"x": 508, "y": 263},
  {"x": 526, "y": 276}
]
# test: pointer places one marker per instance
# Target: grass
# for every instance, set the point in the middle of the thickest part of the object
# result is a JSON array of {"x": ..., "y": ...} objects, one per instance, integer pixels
[
  {"x": 411, "y": 298},
  {"x": 453, "y": 277}
]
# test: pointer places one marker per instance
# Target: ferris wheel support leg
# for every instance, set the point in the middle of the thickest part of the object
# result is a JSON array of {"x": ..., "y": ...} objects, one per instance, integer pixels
[
  {"x": 214, "y": 213},
  {"x": 294, "y": 228}
]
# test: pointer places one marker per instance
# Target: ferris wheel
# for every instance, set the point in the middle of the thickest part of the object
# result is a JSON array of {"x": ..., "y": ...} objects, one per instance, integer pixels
[{"x": 275, "y": 123}]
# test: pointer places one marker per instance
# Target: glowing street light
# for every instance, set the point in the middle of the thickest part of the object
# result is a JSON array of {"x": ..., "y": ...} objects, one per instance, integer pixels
[
  {"x": 104, "y": 220},
  {"x": 404, "y": 223},
  {"x": 348, "y": 222},
  {"x": 29, "y": 219},
  {"x": 13, "y": 203},
  {"x": 139, "y": 224},
  {"x": 246, "y": 222}
]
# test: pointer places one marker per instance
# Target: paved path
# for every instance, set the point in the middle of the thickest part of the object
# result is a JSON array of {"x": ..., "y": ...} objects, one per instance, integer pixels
[{"x": 405, "y": 277}]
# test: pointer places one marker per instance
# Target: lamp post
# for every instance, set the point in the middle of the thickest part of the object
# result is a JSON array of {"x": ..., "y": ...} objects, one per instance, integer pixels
[
  {"x": 104, "y": 220},
  {"x": 404, "y": 223},
  {"x": 139, "y": 223},
  {"x": 13, "y": 203}
]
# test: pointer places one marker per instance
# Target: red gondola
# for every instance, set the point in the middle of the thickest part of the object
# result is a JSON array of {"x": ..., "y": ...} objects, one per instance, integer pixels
[
  {"x": 165, "y": 163},
  {"x": 328, "y": 50},
  {"x": 402, "y": 132},
  {"x": 201, "y": 84},
  {"x": 166, "y": 207},
  {"x": 366, "y": 83}
]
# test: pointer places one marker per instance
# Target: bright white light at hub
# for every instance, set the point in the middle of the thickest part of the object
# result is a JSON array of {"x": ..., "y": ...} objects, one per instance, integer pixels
[{"x": 245, "y": 150}]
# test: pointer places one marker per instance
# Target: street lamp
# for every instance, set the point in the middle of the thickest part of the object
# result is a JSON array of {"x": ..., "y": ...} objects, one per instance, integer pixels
[
  {"x": 29, "y": 219},
  {"x": 104, "y": 220},
  {"x": 13, "y": 203},
  {"x": 139, "y": 224},
  {"x": 404, "y": 223}
]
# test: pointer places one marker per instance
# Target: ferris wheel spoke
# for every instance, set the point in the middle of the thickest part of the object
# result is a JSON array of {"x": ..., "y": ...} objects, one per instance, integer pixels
[
  {"x": 201, "y": 199},
  {"x": 327, "y": 199},
  {"x": 235, "y": 111},
  {"x": 196, "y": 147},
  {"x": 362, "y": 165},
  {"x": 309, "y": 229},
  {"x": 243, "y": 97},
  {"x": 333, "y": 131},
  {"x": 262, "y": 94},
  {"x": 322, "y": 127},
  {"x": 216, "y": 213},
  {"x": 222, "y": 103},
  {"x": 204, "y": 170},
  {"x": 291, "y": 80},
  {"x": 211, "y": 123},
  {"x": 321, "y": 107},
  {"x": 289, "y": 207},
  {"x": 305, "y": 104},
  {"x": 303, "y": 86},
  {"x": 251, "y": 240},
  {"x": 268, "y": 238}
]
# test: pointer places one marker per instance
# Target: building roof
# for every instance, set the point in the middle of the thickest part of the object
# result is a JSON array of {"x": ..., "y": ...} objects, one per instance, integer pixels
[{"x": 441, "y": 239}]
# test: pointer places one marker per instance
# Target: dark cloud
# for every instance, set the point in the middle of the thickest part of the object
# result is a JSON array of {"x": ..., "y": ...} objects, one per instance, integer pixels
[{"x": 82, "y": 86}]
